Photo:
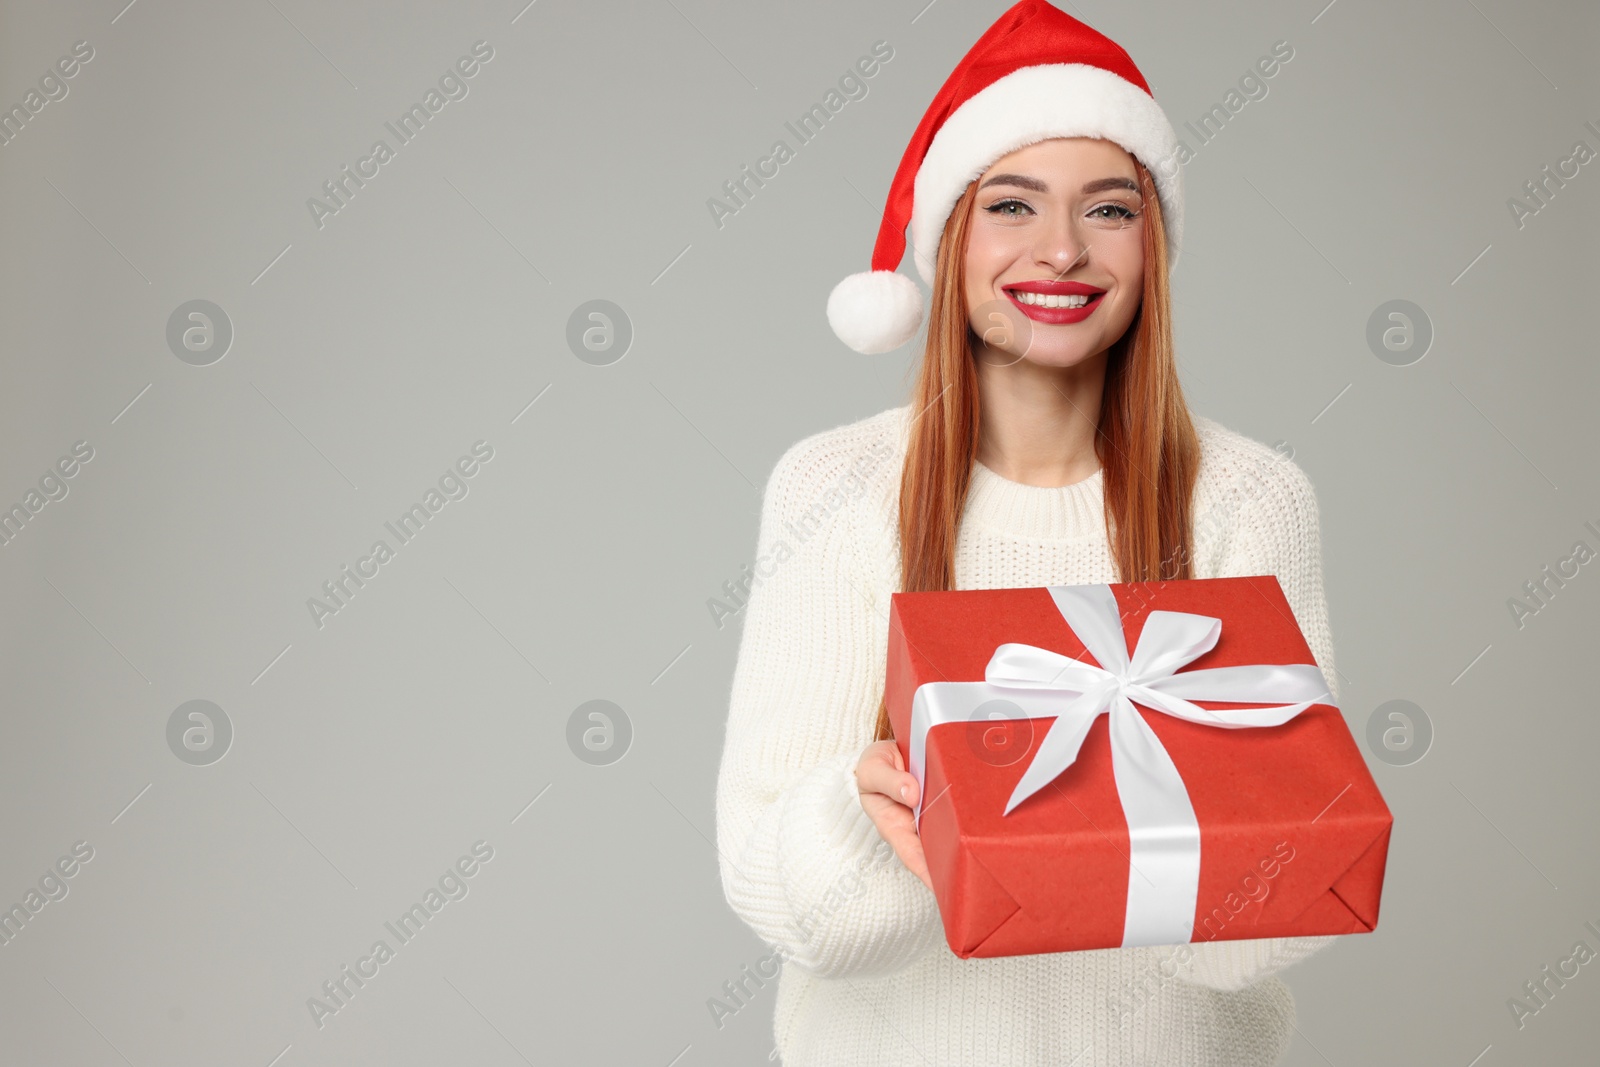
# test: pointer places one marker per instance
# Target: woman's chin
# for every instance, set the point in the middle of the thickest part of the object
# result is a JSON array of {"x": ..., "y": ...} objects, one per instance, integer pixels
[{"x": 1040, "y": 355}]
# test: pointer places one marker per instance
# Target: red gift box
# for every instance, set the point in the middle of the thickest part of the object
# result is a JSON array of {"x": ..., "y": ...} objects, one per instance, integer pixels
[{"x": 1220, "y": 795}]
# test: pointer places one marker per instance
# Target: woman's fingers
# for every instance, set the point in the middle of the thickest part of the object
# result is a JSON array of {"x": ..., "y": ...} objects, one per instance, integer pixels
[
  {"x": 887, "y": 793},
  {"x": 896, "y": 826},
  {"x": 881, "y": 770}
]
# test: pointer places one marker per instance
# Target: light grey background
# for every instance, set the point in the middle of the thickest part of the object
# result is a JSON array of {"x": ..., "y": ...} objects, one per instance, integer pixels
[{"x": 370, "y": 354}]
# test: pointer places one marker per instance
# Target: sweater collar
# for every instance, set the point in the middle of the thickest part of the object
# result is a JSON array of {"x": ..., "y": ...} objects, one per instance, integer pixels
[{"x": 1072, "y": 512}]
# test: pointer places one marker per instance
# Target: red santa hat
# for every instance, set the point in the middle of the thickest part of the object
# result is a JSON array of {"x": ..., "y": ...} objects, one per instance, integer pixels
[{"x": 1036, "y": 73}]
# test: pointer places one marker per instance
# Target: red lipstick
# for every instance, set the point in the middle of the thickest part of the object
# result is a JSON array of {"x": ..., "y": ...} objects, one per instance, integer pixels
[{"x": 1055, "y": 315}]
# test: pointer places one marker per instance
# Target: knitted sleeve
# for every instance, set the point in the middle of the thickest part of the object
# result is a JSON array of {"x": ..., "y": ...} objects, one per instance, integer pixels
[
  {"x": 1276, "y": 532},
  {"x": 801, "y": 861}
]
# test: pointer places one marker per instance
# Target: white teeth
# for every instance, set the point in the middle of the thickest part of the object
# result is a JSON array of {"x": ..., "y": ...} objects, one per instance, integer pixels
[{"x": 1046, "y": 300}]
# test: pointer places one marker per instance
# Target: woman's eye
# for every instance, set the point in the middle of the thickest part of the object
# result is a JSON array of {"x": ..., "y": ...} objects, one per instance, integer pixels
[
  {"x": 1011, "y": 208},
  {"x": 1117, "y": 212}
]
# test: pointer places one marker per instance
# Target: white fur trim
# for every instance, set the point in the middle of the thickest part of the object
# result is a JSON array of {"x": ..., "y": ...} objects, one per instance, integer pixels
[
  {"x": 875, "y": 311},
  {"x": 1034, "y": 104}
]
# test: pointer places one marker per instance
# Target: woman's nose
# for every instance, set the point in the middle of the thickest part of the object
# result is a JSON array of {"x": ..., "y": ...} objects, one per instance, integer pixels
[{"x": 1059, "y": 245}]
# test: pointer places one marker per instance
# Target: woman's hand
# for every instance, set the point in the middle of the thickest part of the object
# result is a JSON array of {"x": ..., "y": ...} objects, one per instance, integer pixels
[{"x": 888, "y": 791}]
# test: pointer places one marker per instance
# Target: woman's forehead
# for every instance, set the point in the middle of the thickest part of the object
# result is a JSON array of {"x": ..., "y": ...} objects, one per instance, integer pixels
[{"x": 1066, "y": 156}]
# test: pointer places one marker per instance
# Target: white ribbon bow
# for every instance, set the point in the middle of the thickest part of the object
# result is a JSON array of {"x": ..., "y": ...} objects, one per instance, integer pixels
[{"x": 1031, "y": 682}]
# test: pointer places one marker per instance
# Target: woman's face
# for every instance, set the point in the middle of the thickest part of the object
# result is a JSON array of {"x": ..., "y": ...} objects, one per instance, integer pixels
[{"x": 1055, "y": 252}]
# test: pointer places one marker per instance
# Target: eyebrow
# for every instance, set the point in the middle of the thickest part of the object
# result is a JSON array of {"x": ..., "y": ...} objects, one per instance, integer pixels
[{"x": 1024, "y": 182}]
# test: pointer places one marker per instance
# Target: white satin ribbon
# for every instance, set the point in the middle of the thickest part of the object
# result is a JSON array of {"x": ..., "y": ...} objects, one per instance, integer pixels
[{"x": 1163, "y": 832}]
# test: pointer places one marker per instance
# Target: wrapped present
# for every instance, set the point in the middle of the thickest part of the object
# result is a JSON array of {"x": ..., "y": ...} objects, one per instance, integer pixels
[{"x": 1219, "y": 796}]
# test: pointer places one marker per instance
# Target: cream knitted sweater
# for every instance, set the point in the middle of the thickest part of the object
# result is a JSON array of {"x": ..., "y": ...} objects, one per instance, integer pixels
[{"x": 867, "y": 978}]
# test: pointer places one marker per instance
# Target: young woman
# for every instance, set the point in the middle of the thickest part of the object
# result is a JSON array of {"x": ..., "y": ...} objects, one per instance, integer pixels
[{"x": 1046, "y": 442}]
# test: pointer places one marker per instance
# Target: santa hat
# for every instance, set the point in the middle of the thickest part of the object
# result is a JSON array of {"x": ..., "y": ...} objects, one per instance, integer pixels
[{"x": 1036, "y": 73}]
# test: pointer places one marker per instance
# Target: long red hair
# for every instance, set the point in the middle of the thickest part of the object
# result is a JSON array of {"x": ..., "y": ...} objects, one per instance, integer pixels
[{"x": 1145, "y": 440}]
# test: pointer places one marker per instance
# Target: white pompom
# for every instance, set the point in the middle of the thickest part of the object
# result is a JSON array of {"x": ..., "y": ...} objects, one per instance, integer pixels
[{"x": 875, "y": 311}]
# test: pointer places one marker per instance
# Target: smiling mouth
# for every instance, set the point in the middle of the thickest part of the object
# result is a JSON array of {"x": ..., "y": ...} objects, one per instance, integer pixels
[
  {"x": 1052, "y": 300},
  {"x": 1055, "y": 303}
]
